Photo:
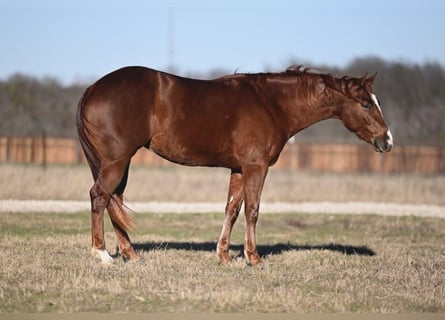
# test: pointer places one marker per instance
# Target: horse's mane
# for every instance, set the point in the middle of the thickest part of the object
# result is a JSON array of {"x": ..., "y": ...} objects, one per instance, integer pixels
[
  {"x": 344, "y": 84},
  {"x": 294, "y": 70},
  {"x": 341, "y": 84}
]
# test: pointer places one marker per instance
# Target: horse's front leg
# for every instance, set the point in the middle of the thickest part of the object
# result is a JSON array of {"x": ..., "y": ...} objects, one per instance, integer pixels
[
  {"x": 254, "y": 176},
  {"x": 234, "y": 202}
]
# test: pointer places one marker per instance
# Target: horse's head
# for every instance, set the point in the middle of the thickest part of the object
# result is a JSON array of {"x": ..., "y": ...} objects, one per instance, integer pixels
[{"x": 361, "y": 112}]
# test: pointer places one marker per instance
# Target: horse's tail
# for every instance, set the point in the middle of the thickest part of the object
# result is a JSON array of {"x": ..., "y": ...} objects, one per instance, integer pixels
[{"x": 85, "y": 131}]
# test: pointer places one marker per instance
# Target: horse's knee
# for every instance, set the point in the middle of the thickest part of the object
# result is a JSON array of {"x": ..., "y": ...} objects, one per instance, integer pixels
[
  {"x": 232, "y": 214},
  {"x": 233, "y": 208},
  {"x": 251, "y": 212}
]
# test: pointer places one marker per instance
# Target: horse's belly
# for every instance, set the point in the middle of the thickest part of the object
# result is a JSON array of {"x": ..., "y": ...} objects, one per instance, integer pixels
[{"x": 192, "y": 154}]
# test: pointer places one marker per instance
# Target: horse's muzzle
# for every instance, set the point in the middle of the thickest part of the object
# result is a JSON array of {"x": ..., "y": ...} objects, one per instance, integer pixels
[{"x": 384, "y": 143}]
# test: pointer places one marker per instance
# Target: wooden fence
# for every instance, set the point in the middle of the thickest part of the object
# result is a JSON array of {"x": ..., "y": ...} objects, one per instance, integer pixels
[{"x": 296, "y": 156}]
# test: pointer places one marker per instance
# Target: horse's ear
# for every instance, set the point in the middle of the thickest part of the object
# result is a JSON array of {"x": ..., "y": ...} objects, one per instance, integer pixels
[
  {"x": 371, "y": 79},
  {"x": 363, "y": 79}
]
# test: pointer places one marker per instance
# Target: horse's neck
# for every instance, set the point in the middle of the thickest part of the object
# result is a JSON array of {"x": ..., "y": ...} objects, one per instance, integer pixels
[
  {"x": 302, "y": 106},
  {"x": 313, "y": 114}
]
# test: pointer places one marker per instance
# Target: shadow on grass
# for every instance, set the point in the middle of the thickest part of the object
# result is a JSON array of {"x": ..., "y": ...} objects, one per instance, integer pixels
[{"x": 263, "y": 250}]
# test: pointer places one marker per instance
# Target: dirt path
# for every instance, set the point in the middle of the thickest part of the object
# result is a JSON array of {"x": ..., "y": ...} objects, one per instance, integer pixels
[{"x": 391, "y": 209}]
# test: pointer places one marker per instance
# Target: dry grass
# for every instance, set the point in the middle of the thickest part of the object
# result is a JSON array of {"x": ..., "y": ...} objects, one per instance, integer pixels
[
  {"x": 312, "y": 263},
  {"x": 178, "y": 183}
]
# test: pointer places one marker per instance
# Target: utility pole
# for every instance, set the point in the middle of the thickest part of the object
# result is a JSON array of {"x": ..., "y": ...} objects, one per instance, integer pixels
[{"x": 171, "y": 39}]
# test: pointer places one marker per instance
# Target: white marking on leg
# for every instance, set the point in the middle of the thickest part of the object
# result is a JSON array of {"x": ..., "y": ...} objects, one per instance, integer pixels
[
  {"x": 231, "y": 199},
  {"x": 102, "y": 255}
]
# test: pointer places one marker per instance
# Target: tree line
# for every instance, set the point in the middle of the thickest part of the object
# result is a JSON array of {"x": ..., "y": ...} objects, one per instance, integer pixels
[{"x": 412, "y": 98}]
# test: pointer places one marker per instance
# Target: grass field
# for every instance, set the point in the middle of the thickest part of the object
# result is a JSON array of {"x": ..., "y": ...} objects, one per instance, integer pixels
[
  {"x": 312, "y": 263},
  {"x": 178, "y": 183}
]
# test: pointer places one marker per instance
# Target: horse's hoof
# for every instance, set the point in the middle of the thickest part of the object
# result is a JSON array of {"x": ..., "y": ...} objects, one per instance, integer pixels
[
  {"x": 224, "y": 258},
  {"x": 103, "y": 255},
  {"x": 253, "y": 259},
  {"x": 135, "y": 259}
]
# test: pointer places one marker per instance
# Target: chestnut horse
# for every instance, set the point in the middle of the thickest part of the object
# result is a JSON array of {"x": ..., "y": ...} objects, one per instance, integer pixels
[{"x": 240, "y": 122}]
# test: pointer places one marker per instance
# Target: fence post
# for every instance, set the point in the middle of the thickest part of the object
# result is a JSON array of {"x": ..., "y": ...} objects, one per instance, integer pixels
[
  {"x": 441, "y": 160},
  {"x": 79, "y": 152},
  {"x": 8, "y": 149},
  {"x": 34, "y": 146},
  {"x": 44, "y": 149},
  {"x": 3, "y": 142}
]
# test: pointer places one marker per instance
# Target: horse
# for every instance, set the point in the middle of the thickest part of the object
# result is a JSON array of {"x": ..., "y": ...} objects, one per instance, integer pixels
[{"x": 240, "y": 122}]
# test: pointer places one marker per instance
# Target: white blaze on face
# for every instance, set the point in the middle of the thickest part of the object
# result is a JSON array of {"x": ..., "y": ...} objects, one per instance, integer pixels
[
  {"x": 389, "y": 139},
  {"x": 376, "y": 102}
]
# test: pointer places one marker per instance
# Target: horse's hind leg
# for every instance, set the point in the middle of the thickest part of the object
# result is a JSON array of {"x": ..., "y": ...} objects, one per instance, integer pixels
[
  {"x": 234, "y": 202},
  {"x": 99, "y": 200},
  {"x": 108, "y": 179},
  {"x": 125, "y": 246}
]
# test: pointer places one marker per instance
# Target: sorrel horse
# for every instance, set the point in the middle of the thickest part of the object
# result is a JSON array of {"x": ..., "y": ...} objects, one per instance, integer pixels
[{"x": 240, "y": 122}]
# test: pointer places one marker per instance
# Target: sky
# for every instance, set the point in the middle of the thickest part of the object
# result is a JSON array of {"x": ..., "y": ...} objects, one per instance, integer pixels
[{"x": 78, "y": 41}]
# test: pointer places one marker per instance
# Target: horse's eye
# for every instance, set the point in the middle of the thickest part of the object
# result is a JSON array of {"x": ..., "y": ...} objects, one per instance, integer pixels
[{"x": 367, "y": 105}]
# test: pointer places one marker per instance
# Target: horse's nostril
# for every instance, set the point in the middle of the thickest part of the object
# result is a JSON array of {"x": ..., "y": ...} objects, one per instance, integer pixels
[
  {"x": 379, "y": 145},
  {"x": 383, "y": 144}
]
